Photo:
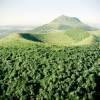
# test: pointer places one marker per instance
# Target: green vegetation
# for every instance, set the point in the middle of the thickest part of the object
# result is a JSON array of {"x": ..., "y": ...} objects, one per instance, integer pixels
[
  {"x": 71, "y": 37},
  {"x": 40, "y": 72},
  {"x": 51, "y": 64},
  {"x": 19, "y": 40},
  {"x": 77, "y": 34},
  {"x": 96, "y": 34},
  {"x": 57, "y": 38}
]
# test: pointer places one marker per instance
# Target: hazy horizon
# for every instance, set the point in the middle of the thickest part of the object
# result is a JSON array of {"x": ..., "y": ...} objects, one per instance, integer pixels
[{"x": 38, "y": 12}]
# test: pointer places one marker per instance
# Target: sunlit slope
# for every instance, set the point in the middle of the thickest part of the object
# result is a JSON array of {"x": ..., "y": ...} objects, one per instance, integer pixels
[
  {"x": 70, "y": 37},
  {"x": 77, "y": 34},
  {"x": 96, "y": 34},
  {"x": 57, "y": 38},
  {"x": 88, "y": 41},
  {"x": 16, "y": 39}
]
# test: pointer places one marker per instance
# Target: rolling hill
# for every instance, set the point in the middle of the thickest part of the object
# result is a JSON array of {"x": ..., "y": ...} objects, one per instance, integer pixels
[
  {"x": 62, "y": 31},
  {"x": 62, "y": 23},
  {"x": 19, "y": 39},
  {"x": 71, "y": 37}
]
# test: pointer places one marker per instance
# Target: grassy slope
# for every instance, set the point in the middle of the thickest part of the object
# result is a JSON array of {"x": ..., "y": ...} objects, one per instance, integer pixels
[
  {"x": 96, "y": 34},
  {"x": 77, "y": 34},
  {"x": 68, "y": 38},
  {"x": 14, "y": 39},
  {"x": 87, "y": 41},
  {"x": 55, "y": 38}
]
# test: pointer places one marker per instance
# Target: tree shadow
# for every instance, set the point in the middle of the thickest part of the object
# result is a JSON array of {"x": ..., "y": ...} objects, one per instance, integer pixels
[
  {"x": 97, "y": 89},
  {"x": 30, "y": 37}
]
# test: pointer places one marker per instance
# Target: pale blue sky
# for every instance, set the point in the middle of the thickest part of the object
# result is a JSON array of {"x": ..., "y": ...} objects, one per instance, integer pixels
[{"x": 34, "y": 12}]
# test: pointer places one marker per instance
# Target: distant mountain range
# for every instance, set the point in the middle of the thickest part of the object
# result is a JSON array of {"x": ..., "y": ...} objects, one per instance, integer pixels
[{"x": 62, "y": 23}]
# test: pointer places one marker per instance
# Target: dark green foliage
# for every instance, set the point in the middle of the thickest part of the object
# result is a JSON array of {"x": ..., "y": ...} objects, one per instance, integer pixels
[
  {"x": 45, "y": 73},
  {"x": 30, "y": 37}
]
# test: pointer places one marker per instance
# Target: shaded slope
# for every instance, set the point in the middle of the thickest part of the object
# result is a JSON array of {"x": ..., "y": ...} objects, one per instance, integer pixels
[{"x": 30, "y": 37}]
